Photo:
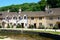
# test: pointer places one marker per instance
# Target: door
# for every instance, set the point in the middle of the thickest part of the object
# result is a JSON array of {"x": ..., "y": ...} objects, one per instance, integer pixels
[
  {"x": 35, "y": 25},
  {"x": 22, "y": 24},
  {"x": 59, "y": 25}
]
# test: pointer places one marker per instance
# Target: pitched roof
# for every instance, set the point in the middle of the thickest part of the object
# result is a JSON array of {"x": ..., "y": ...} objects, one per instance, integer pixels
[{"x": 55, "y": 11}]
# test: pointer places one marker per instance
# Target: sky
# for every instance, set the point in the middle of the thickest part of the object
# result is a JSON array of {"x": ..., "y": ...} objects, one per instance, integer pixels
[{"x": 11, "y": 2}]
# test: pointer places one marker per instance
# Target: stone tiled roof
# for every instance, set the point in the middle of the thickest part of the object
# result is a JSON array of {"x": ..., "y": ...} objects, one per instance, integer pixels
[{"x": 55, "y": 11}]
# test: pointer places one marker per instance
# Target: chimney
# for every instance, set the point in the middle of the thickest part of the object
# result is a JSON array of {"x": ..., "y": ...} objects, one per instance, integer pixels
[
  {"x": 19, "y": 11},
  {"x": 46, "y": 8},
  {"x": 8, "y": 11}
]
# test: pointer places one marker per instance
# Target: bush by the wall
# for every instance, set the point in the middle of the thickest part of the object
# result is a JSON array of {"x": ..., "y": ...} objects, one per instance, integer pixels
[
  {"x": 8, "y": 26},
  {"x": 56, "y": 27},
  {"x": 41, "y": 27},
  {"x": 18, "y": 26},
  {"x": 31, "y": 26}
]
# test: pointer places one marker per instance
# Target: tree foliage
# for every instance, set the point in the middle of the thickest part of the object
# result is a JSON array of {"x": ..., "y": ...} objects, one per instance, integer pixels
[
  {"x": 40, "y": 6},
  {"x": 54, "y": 3}
]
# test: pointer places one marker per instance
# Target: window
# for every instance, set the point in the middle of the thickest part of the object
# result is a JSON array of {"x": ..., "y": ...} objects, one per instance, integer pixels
[
  {"x": 58, "y": 18},
  {"x": 20, "y": 18},
  {"x": 51, "y": 18},
  {"x": 50, "y": 24},
  {"x": 32, "y": 18},
  {"x": 7, "y": 18},
  {"x": 14, "y": 24},
  {"x": 0, "y": 14},
  {"x": 25, "y": 24},
  {"x": 1, "y": 18},
  {"x": 25, "y": 17},
  {"x": 40, "y": 18},
  {"x": 50, "y": 12},
  {"x": 15, "y": 18},
  {"x": 40, "y": 24},
  {"x": 10, "y": 23}
]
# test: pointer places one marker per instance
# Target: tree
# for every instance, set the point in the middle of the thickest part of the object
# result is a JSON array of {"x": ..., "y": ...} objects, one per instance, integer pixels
[
  {"x": 56, "y": 27},
  {"x": 53, "y": 3},
  {"x": 42, "y": 3}
]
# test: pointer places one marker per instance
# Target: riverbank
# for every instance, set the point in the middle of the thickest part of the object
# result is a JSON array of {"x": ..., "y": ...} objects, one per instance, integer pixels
[
  {"x": 31, "y": 32},
  {"x": 51, "y": 31},
  {"x": 25, "y": 35}
]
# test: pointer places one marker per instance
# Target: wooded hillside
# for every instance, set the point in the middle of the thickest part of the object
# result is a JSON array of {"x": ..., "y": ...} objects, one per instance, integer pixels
[{"x": 40, "y": 6}]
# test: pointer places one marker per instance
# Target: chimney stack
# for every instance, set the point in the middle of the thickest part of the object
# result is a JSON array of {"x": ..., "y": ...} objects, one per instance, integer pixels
[
  {"x": 46, "y": 8},
  {"x": 19, "y": 11},
  {"x": 8, "y": 11}
]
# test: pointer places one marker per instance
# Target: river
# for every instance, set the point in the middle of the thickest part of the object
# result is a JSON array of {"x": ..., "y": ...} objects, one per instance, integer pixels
[{"x": 22, "y": 37}]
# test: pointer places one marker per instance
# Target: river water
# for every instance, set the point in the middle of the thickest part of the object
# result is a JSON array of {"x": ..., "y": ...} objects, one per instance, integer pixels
[{"x": 23, "y": 37}]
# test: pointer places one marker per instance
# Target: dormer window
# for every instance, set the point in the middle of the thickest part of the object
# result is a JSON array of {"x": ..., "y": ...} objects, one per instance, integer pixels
[
  {"x": 15, "y": 18},
  {"x": 7, "y": 17},
  {"x": 58, "y": 18},
  {"x": 20, "y": 18},
  {"x": 50, "y": 12},
  {"x": 25, "y": 17}
]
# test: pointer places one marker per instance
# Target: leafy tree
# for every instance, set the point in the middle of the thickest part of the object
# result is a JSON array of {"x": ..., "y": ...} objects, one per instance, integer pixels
[
  {"x": 40, "y": 6},
  {"x": 54, "y": 3},
  {"x": 56, "y": 27},
  {"x": 42, "y": 3}
]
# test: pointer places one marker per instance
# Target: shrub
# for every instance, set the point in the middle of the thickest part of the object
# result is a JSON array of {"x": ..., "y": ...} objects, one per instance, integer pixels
[
  {"x": 41, "y": 27},
  {"x": 50, "y": 27},
  {"x": 11, "y": 26},
  {"x": 56, "y": 27},
  {"x": 18, "y": 26},
  {"x": 8, "y": 26},
  {"x": 31, "y": 26}
]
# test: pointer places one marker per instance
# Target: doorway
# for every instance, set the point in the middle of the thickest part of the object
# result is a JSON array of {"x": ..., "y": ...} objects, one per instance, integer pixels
[
  {"x": 34, "y": 25},
  {"x": 22, "y": 24},
  {"x": 59, "y": 25}
]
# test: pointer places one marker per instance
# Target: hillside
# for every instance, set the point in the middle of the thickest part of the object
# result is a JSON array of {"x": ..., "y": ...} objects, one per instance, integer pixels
[{"x": 32, "y": 6}]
